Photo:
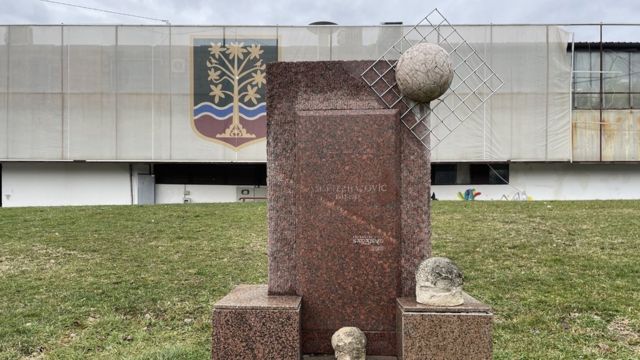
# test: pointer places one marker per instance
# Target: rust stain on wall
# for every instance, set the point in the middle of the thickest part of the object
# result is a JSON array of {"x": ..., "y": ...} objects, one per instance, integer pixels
[
  {"x": 620, "y": 135},
  {"x": 586, "y": 135},
  {"x": 620, "y": 132}
]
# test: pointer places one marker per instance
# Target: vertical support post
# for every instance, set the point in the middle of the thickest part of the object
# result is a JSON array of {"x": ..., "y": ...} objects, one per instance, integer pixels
[
  {"x": 62, "y": 97},
  {"x": 601, "y": 91},
  {"x": 8, "y": 94},
  {"x": 153, "y": 97},
  {"x": 115, "y": 93},
  {"x": 629, "y": 77},
  {"x": 572, "y": 94},
  {"x": 171, "y": 91},
  {"x": 546, "y": 100}
]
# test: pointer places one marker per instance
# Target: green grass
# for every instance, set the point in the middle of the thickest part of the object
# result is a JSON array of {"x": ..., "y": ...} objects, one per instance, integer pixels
[{"x": 139, "y": 282}]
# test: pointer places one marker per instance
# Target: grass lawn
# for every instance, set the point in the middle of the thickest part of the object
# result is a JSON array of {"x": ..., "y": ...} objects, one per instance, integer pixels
[{"x": 139, "y": 282}]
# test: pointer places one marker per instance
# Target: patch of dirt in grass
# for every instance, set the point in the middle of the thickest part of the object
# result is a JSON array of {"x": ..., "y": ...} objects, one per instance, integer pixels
[
  {"x": 38, "y": 258},
  {"x": 257, "y": 243},
  {"x": 10, "y": 265},
  {"x": 5, "y": 266},
  {"x": 36, "y": 355},
  {"x": 623, "y": 331},
  {"x": 603, "y": 348}
]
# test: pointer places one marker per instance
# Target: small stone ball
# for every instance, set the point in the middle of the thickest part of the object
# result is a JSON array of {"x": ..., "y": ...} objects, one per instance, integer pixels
[
  {"x": 439, "y": 282},
  {"x": 349, "y": 343},
  {"x": 424, "y": 72}
]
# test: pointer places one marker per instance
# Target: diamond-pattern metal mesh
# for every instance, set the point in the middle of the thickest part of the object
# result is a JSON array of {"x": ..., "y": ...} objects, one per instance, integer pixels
[{"x": 474, "y": 82}]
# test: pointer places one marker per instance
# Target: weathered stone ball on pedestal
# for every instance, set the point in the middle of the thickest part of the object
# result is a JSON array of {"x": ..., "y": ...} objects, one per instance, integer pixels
[
  {"x": 424, "y": 72},
  {"x": 439, "y": 283},
  {"x": 349, "y": 343}
]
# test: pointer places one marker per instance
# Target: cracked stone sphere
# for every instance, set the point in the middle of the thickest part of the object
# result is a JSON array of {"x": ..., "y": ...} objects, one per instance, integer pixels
[
  {"x": 424, "y": 72},
  {"x": 439, "y": 283},
  {"x": 349, "y": 343}
]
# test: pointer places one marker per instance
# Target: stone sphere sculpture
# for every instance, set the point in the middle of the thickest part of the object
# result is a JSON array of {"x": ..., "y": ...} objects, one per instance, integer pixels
[
  {"x": 349, "y": 343},
  {"x": 439, "y": 283},
  {"x": 424, "y": 72}
]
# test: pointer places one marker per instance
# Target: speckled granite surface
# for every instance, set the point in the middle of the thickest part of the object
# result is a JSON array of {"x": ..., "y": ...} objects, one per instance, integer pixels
[
  {"x": 331, "y": 357},
  {"x": 348, "y": 190},
  {"x": 249, "y": 324},
  {"x": 444, "y": 332},
  {"x": 378, "y": 342},
  {"x": 346, "y": 211},
  {"x": 255, "y": 297},
  {"x": 470, "y": 304}
]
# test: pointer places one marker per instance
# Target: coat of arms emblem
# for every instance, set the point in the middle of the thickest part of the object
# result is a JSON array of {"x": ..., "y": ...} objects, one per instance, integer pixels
[{"x": 229, "y": 78}]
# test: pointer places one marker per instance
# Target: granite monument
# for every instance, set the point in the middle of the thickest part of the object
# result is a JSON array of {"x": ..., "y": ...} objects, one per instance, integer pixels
[{"x": 348, "y": 216}]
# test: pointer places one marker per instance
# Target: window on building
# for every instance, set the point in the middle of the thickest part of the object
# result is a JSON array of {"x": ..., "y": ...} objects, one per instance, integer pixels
[
  {"x": 470, "y": 174},
  {"x": 586, "y": 80},
  {"x": 620, "y": 77},
  {"x": 616, "y": 80},
  {"x": 443, "y": 174},
  {"x": 211, "y": 174},
  {"x": 634, "y": 77}
]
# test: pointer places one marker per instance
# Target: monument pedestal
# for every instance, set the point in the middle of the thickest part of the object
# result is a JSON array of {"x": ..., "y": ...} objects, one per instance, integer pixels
[
  {"x": 428, "y": 332},
  {"x": 249, "y": 324}
]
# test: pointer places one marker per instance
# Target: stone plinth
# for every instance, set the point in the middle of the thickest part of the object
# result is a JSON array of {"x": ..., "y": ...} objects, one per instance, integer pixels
[
  {"x": 249, "y": 324},
  {"x": 428, "y": 332},
  {"x": 348, "y": 198}
]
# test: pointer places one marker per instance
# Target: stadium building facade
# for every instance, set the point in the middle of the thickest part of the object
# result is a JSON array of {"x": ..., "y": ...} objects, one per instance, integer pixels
[{"x": 175, "y": 114}]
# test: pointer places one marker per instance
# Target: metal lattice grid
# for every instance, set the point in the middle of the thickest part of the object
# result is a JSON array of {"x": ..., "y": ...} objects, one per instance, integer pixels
[{"x": 474, "y": 81}]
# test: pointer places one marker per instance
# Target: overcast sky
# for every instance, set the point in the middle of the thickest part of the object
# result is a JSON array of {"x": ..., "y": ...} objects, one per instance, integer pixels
[{"x": 346, "y": 12}]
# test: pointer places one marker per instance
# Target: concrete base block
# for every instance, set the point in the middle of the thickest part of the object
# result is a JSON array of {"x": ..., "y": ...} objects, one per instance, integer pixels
[
  {"x": 249, "y": 324},
  {"x": 428, "y": 332}
]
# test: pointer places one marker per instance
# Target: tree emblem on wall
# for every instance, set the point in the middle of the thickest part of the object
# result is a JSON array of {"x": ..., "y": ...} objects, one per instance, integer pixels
[{"x": 231, "y": 109}]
